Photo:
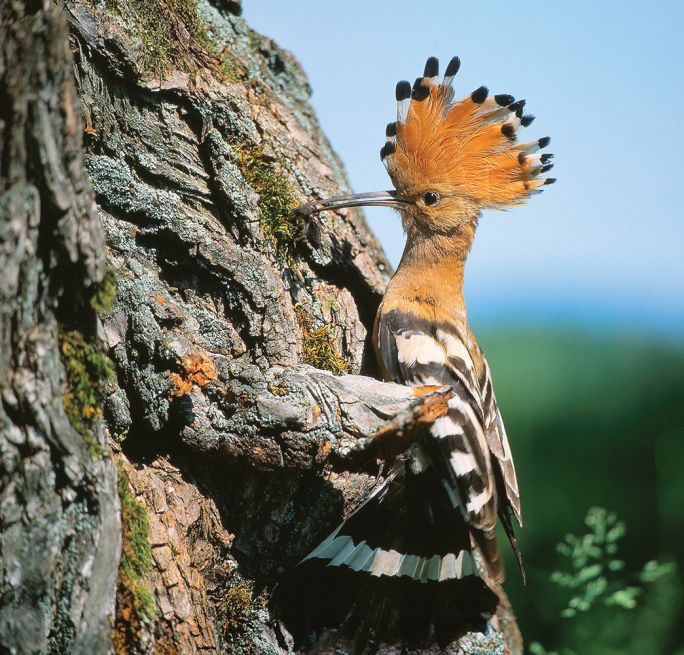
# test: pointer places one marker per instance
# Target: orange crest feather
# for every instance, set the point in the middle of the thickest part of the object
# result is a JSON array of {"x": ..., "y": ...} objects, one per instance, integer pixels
[{"x": 467, "y": 146}]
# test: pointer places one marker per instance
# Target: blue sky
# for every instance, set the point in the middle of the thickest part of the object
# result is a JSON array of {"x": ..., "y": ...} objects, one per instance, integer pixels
[{"x": 601, "y": 248}]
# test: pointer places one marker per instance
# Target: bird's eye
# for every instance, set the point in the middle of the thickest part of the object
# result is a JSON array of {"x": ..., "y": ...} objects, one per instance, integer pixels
[{"x": 430, "y": 198}]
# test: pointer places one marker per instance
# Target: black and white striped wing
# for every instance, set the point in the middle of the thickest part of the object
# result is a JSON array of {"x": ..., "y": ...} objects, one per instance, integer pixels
[
  {"x": 417, "y": 353},
  {"x": 498, "y": 445}
]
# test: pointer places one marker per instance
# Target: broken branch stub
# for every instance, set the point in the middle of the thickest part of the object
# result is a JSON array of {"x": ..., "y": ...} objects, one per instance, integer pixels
[{"x": 262, "y": 418}]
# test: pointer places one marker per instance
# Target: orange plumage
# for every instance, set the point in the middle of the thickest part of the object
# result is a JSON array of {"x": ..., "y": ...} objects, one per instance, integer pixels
[{"x": 468, "y": 147}]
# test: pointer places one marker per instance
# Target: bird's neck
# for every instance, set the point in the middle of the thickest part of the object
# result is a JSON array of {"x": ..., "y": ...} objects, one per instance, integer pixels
[{"x": 432, "y": 267}]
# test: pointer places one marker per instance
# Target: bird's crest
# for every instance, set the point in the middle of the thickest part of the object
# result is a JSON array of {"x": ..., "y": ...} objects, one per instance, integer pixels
[{"x": 469, "y": 146}]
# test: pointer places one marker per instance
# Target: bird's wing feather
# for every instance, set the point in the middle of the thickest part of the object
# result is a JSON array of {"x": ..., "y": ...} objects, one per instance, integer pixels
[
  {"x": 498, "y": 445},
  {"x": 416, "y": 353}
]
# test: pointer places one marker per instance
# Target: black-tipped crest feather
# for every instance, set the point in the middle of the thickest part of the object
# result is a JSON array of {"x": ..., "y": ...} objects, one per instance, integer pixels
[
  {"x": 504, "y": 99},
  {"x": 388, "y": 149},
  {"x": 453, "y": 67},
  {"x": 508, "y": 130},
  {"x": 403, "y": 90},
  {"x": 517, "y": 107},
  {"x": 420, "y": 91},
  {"x": 431, "y": 67},
  {"x": 479, "y": 95}
]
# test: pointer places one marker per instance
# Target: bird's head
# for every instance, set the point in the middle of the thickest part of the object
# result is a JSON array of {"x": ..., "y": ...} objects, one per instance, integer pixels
[{"x": 449, "y": 160}]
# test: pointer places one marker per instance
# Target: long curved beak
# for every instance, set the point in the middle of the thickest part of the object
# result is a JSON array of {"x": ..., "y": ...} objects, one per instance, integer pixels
[{"x": 374, "y": 199}]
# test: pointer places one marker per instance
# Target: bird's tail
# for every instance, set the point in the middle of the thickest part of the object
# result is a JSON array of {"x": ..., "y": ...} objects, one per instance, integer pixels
[{"x": 399, "y": 571}]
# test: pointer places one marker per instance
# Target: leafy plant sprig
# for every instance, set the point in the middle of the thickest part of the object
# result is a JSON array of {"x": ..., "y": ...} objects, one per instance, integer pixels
[
  {"x": 595, "y": 572},
  {"x": 595, "y": 566}
]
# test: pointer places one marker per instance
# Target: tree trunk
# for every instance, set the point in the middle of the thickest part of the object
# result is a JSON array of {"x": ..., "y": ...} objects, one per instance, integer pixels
[
  {"x": 239, "y": 415},
  {"x": 60, "y": 534}
]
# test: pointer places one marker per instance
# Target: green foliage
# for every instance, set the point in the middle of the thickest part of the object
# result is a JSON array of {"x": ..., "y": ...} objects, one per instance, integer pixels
[
  {"x": 88, "y": 371},
  {"x": 596, "y": 572},
  {"x": 277, "y": 199},
  {"x": 535, "y": 648},
  {"x": 134, "y": 603},
  {"x": 595, "y": 568},
  {"x": 594, "y": 419},
  {"x": 590, "y": 556},
  {"x": 654, "y": 571}
]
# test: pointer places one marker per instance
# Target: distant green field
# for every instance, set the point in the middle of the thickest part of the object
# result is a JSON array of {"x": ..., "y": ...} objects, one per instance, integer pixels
[{"x": 594, "y": 420}]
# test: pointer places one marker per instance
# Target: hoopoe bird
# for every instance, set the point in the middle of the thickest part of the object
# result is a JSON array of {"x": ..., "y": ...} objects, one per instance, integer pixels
[{"x": 414, "y": 565}]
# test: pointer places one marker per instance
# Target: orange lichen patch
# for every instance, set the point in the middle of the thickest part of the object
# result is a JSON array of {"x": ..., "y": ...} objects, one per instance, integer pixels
[
  {"x": 200, "y": 367},
  {"x": 90, "y": 130},
  {"x": 260, "y": 453},
  {"x": 434, "y": 407},
  {"x": 180, "y": 386},
  {"x": 325, "y": 449},
  {"x": 199, "y": 370},
  {"x": 159, "y": 299}
]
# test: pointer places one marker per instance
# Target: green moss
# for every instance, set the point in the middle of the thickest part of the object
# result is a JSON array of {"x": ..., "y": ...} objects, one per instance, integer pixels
[
  {"x": 319, "y": 347},
  {"x": 104, "y": 295},
  {"x": 88, "y": 369},
  {"x": 237, "y": 608},
  {"x": 136, "y": 552},
  {"x": 120, "y": 436},
  {"x": 229, "y": 69},
  {"x": 238, "y": 614},
  {"x": 163, "y": 26},
  {"x": 87, "y": 372},
  {"x": 277, "y": 199},
  {"x": 134, "y": 603}
]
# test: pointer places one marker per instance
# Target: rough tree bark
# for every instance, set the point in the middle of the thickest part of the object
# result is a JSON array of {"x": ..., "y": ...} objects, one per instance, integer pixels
[
  {"x": 239, "y": 335},
  {"x": 60, "y": 533}
]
